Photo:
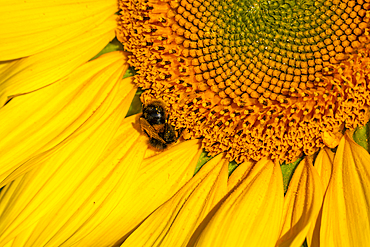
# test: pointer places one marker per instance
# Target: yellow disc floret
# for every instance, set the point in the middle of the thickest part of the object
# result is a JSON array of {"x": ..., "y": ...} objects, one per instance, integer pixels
[{"x": 253, "y": 78}]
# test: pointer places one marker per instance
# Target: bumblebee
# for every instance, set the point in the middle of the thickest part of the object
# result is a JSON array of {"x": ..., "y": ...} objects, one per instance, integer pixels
[{"x": 154, "y": 123}]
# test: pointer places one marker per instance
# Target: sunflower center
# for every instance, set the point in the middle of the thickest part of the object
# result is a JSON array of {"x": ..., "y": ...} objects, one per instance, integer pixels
[{"x": 252, "y": 78}]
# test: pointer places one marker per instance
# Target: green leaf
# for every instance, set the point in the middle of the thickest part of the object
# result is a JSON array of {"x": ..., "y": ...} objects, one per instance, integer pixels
[
  {"x": 136, "y": 104},
  {"x": 360, "y": 136},
  {"x": 288, "y": 170},
  {"x": 114, "y": 45},
  {"x": 204, "y": 158}
]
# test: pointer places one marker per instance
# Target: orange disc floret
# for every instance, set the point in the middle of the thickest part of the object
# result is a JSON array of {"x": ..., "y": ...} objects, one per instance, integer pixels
[{"x": 253, "y": 78}]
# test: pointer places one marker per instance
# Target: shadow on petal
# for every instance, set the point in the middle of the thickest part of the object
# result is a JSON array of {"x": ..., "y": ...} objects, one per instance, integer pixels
[
  {"x": 31, "y": 73},
  {"x": 250, "y": 215},
  {"x": 70, "y": 185},
  {"x": 302, "y": 204},
  {"x": 324, "y": 166},
  {"x": 174, "y": 222},
  {"x": 35, "y": 123},
  {"x": 157, "y": 180},
  {"x": 346, "y": 212}
]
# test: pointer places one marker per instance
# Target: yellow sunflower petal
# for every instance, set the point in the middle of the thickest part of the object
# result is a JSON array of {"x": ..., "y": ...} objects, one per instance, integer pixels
[
  {"x": 346, "y": 211},
  {"x": 158, "y": 179},
  {"x": 33, "y": 123},
  {"x": 29, "y": 27},
  {"x": 302, "y": 204},
  {"x": 324, "y": 166},
  {"x": 239, "y": 174},
  {"x": 251, "y": 215},
  {"x": 173, "y": 223},
  {"x": 79, "y": 181},
  {"x": 31, "y": 73}
]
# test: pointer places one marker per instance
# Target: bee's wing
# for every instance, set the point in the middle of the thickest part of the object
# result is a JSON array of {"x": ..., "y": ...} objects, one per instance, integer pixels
[{"x": 145, "y": 126}]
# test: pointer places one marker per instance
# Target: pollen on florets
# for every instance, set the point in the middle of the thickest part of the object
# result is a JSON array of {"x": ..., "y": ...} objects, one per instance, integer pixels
[{"x": 253, "y": 78}]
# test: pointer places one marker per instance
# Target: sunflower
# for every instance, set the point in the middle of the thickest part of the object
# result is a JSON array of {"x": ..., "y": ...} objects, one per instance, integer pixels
[{"x": 271, "y": 90}]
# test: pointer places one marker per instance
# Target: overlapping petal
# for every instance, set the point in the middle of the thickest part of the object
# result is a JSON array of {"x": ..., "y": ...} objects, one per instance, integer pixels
[
  {"x": 29, "y": 27},
  {"x": 173, "y": 223},
  {"x": 346, "y": 210},
  {"x": 75, "y": 171},
  {"x": 79, "y": 180},
  {"x": 44, "y": 68},
  {"x": 239, "y": 174},
  {"x": 36, "y": 122},
  {"x": 302, "y": 204},
  {"x": 251, "y": 215},
  {"x": 158, "y": 179},
  {"x": 324, "y": 166}
]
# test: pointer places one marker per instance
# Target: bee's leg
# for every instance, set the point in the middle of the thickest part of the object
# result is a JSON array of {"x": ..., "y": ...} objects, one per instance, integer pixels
[
  {"x": 157, "y": 144},
  {"x": 170, "y": 134}
]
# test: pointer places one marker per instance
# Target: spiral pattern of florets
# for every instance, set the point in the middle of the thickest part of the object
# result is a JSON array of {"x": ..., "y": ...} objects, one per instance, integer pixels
[{"x": 253, "y": 78}]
